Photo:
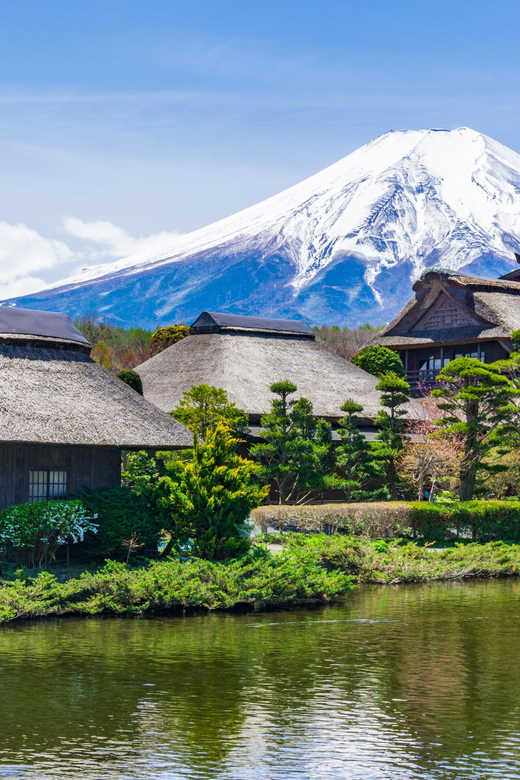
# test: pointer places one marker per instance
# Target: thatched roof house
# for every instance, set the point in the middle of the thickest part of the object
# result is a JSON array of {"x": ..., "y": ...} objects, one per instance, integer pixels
[
  {"x": 63, "y": 419},
  {"x": 452, "y": 315},
  {"x": 245, "y": 355}
]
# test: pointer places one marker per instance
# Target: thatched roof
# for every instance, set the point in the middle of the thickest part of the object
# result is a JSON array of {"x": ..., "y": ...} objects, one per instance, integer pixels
[
  {"x": 215, "y": 322},
  {"x": 489, "y": 310},
  {"x": 51, "y": 394},
  {"x": 246, "y": 365}
]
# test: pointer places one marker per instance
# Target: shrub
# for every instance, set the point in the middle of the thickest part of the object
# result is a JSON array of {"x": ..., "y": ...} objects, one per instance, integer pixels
[
  {"x": 132, "y": 379},
  {"x": 165, "y": 337},
  {"x": 33, "y": 532},
  {"x": 368, "y": 519},
  {"x": 121, "y": 513},
  {"x": 481, "y": 521},
  {"x": 378, "y": 360}
]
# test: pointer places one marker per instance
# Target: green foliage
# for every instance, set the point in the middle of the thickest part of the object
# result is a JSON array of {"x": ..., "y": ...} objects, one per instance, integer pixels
[
  {"x": 296, "y": 455},
  {"x": 163, "y": 338},
  {"x": 33, "y": 532},
  {"x": 395, "y": 393},
  {"x": 372, "y": 561},
  {"x": 202, "y": 407},
  {"x": 378, "y": 360},
  {"x": 481, "y": 521},
  {"x": 205, "y": 503},
  {"x": 260, "y": 580},
  {"x": 357, "y": 460},
  {"x": 114, "y": 347},
  {"x": 478, "y": 403},
  {"x": 120, "y": 512},
  {"x": 132, "y": 379}
]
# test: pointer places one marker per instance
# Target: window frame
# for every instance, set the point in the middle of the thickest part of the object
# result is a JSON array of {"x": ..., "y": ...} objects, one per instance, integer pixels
[{"x": 48, "y": 484}]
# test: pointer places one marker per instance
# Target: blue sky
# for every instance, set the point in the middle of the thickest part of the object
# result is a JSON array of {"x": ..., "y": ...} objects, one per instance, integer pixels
[{"x": 140, "y": 119}]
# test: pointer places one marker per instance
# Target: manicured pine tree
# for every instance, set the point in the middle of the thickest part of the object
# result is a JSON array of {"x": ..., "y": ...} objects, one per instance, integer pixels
[
  {"x": 363, "y": 471},
  {"x": 395, "y": 393},
  {"x": 479, "y": 403},
  {"x": 296, "y": 454}
]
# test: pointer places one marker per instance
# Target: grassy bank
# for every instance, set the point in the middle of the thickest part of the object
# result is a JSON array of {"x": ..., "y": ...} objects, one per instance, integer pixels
[
  {"x": 308, "y": 569},
  {"x": 393, "y": 562},
  {"x": 260, "y": 580}
]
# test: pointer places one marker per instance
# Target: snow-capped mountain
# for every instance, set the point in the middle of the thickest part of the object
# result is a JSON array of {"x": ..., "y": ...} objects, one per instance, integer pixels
[{"x": 343, "y": 247}]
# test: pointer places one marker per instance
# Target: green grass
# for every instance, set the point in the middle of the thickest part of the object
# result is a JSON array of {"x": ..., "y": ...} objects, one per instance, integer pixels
[
  {"x": 393, "y": 561},
  {"x": 309, "y": 569}
]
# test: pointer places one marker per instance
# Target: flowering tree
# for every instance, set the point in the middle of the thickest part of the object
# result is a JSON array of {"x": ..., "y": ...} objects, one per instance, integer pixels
[{"x": 35, "y": 531}]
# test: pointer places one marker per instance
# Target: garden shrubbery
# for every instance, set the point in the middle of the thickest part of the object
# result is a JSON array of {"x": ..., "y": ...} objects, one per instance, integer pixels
[
  {"x": 479, "y": 521},
  {"x": 258, "y": 580},
  {"x": 121, "y": 514}
]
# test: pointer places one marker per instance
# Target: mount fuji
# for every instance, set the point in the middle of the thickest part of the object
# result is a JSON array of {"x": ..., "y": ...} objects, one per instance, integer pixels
[{"x": 342, "y": 247}]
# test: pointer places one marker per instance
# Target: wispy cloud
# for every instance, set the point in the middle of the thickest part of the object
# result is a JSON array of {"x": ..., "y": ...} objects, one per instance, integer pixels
[{"x": 26, "y": 256}]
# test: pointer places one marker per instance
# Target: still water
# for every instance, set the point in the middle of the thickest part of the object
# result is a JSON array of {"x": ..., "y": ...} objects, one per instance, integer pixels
[{"x": 396, "y": 682}]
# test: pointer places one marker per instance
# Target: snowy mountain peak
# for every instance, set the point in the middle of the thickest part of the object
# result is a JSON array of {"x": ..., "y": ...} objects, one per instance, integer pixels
[{"x": 343, "y": 246}]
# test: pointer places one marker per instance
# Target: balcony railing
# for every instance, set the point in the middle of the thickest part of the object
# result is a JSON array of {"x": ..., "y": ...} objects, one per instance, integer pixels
[{"x": 428, "y": 377}]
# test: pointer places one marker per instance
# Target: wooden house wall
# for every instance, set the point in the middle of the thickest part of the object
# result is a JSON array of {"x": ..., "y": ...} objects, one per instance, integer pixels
[{"x": 91, "y": 467}]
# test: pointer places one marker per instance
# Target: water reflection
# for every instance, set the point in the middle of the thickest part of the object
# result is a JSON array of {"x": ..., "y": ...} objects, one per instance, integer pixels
[{"x": 397, "y": 682}]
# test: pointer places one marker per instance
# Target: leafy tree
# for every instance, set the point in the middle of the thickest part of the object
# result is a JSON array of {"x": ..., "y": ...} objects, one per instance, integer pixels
[
  {"x": 104, "y": 355},
  {"x": 33, "y": 532},
  {"x": 205, "y": 503},
  {"x": 357, "y": 459},
  {"x": 378, "y": 360},
  {"x": 163, "y": 338},
  {"x": 296, "y": 455},
  {"x": 395, "y": 393},
  {"x": 202, "y": 407},
  {"x": 478, "y": 401},
  {"x": 132, "y": 379}
]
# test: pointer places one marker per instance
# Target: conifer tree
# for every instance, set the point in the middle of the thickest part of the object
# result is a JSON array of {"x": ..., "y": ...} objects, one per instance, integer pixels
[
  {"x": 357, "y": 459},
  {"x": 395, "y": 393},
  {"x": 479, "y": 403},
  {"x": 296, "y": 454},
  {"x": 202, "y": 407}
]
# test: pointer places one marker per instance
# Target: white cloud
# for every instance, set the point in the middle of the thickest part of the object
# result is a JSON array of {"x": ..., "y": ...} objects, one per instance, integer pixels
[
  {"x": 24, "y": 253},
  {"x": 114, "y": 241}
]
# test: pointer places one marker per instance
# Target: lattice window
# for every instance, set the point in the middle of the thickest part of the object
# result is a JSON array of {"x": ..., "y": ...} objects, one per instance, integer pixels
[
  {"x": 446, "y": 315},
  {"x": 45, "y": 484}
]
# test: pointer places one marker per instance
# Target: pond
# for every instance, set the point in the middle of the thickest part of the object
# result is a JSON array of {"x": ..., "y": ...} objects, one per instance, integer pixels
[{"x": 396, "y": 682}]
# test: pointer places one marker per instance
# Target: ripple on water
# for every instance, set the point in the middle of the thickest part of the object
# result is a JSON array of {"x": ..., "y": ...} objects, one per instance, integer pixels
[{"x": 400, "y": 682}]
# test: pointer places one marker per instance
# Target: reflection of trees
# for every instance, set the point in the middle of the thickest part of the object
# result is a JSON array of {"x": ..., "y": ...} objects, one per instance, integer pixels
[{"x": 205, "y": 691}]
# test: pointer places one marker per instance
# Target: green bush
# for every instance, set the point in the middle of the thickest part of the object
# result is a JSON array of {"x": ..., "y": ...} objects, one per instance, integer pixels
[
  {"x": 121, "y": 514},
  {"x": 259, "y": 579},
  {"x": 480, "y": 521},
  {"x": 132, "y": 379},
  {"x": 32, "y": 533},
  {"x": 378, "y": 360}
]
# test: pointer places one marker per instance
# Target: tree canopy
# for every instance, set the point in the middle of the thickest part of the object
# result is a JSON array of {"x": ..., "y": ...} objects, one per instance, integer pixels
[
  {"x": 202, "y": 407},
  {"x": 378, "y": 360}
]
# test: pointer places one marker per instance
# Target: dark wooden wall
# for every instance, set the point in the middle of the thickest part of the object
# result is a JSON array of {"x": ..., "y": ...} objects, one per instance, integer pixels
[{"x": 91, "y": 467}]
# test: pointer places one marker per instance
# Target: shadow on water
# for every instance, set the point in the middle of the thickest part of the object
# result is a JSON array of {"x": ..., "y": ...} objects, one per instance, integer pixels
[{"x": 396, "y": 682}]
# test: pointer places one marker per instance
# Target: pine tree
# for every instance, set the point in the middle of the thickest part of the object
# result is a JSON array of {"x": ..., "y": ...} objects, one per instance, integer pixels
[
  {"x": 357, "y": 459},
  {"x": 202, "y": 407},
  {"x": 479, "y": 404},
  {"x": 296, "y": 455},
  {"x": 395, "y": 393}
]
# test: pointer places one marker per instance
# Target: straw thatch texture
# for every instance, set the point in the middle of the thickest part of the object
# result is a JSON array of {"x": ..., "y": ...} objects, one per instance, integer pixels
[
  {"x": 60, "y": 396},
  {"x": 245, "y": 366}
]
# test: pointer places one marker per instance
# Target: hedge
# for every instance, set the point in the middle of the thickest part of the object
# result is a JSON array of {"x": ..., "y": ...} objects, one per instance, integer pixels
[{"x": 480, "y": 521}]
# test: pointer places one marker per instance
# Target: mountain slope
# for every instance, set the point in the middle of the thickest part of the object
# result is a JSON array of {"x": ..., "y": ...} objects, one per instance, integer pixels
[{"x": 343, "y": 247}]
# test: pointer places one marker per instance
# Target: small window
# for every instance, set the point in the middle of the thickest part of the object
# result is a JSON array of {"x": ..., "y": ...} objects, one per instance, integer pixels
[{"x": 45, "y": 484}]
